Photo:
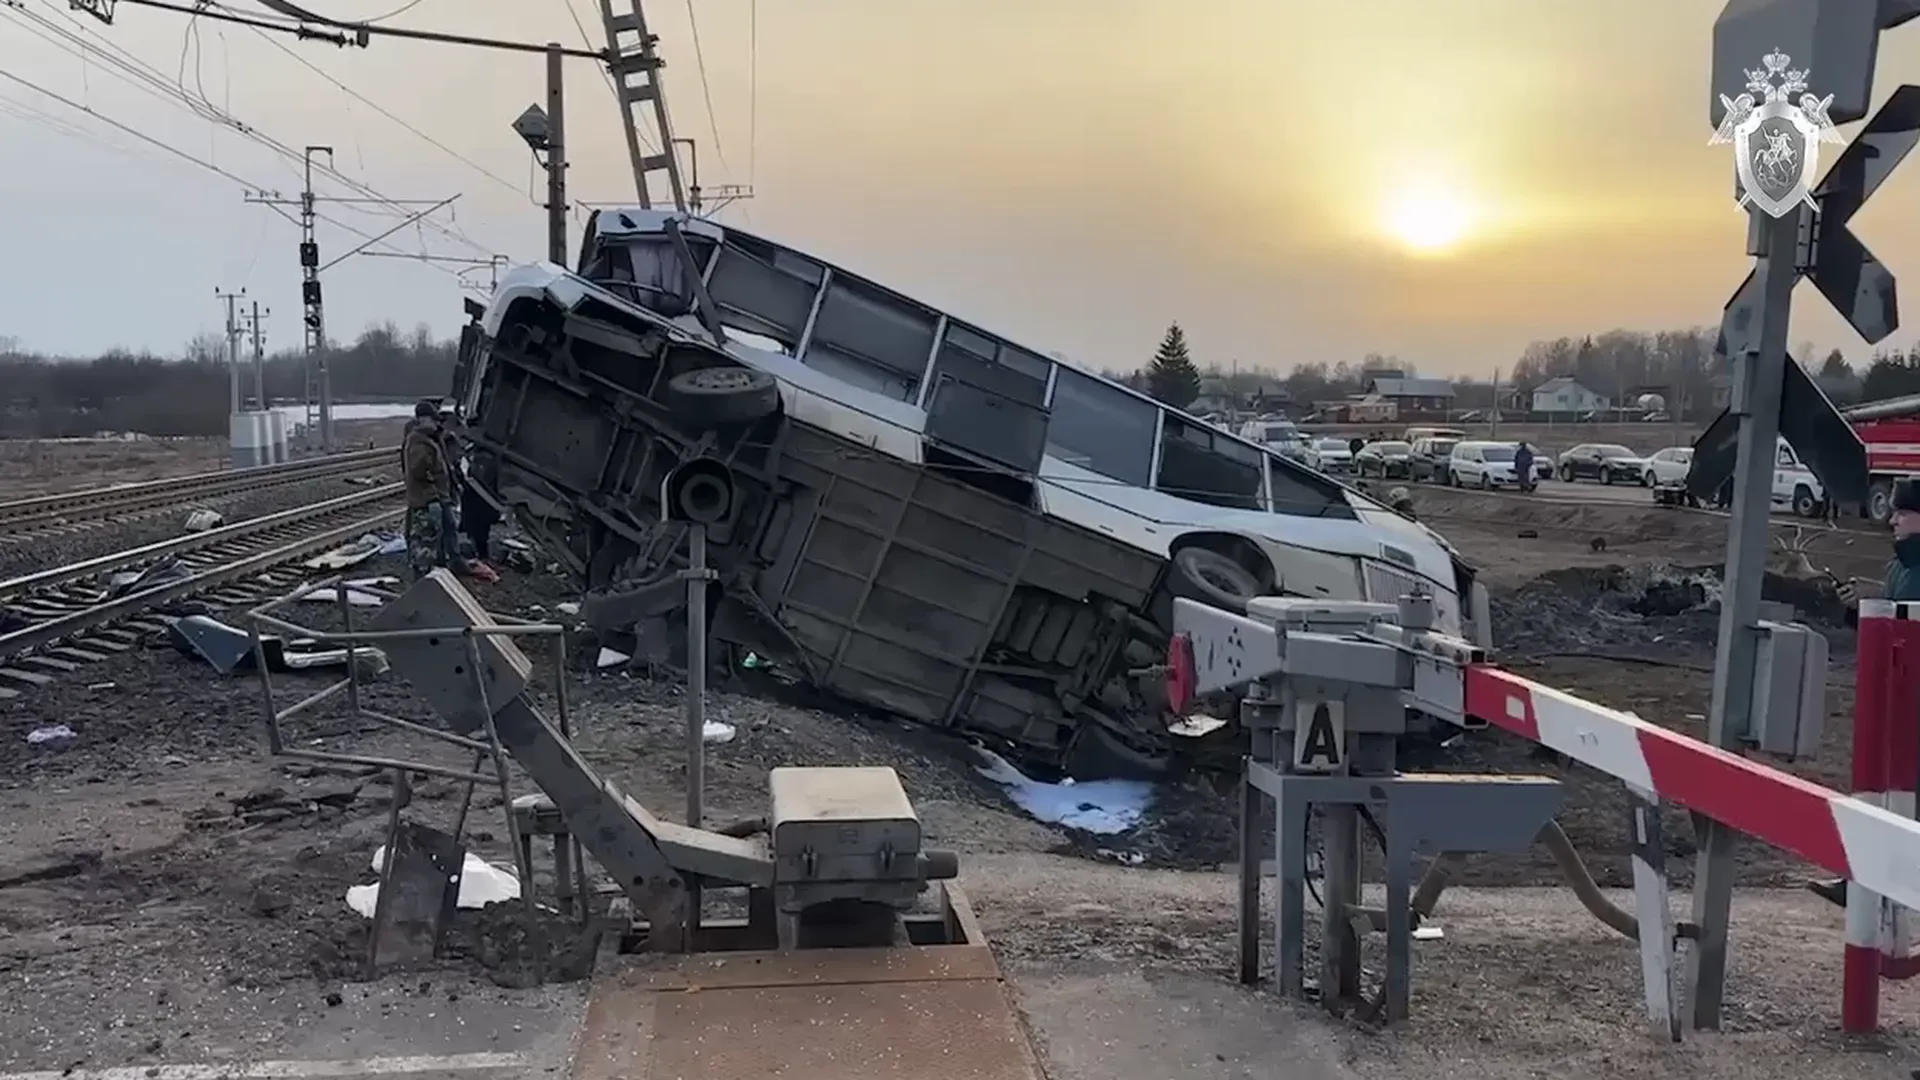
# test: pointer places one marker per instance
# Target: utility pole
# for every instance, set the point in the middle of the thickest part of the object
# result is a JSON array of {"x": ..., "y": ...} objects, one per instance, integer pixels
[
  {"x": 315, "y": 311},
  {"x": 556, "y": 156},
  {"x": 545, "y": 133},
  {"x": 1493, "y": 414},
  {"x": 233, "y": 347},
  {"x": 259, "y": 356}
]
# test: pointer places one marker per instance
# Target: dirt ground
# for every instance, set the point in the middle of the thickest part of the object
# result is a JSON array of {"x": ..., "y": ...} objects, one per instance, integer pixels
[
  {"x": 30, "y": 467},
  {"x": 171, "y": 893}
]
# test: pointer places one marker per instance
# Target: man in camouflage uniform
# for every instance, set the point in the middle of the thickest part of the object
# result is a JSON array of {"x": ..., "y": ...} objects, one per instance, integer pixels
[{"x": 429, "y": 489}]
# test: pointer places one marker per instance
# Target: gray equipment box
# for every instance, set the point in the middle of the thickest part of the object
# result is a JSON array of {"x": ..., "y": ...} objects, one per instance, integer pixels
[
  {"x": 438, "y": 666},
  {"x": 843, "y": 833},
  {"x": 1789, "y": 688}
]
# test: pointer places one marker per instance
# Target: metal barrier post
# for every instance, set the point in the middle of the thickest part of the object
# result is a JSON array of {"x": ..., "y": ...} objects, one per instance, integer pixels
[{"x": 1886, "y": 765}]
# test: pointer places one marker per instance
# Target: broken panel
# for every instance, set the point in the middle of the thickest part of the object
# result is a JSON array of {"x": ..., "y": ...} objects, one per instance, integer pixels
[
  {"x": 1200, "y": 463},
  {"x": 1101, "y": 427},
  {"x": 989, "y": 400},
  {"x": 869, "y": 338},
  {"x": 764, "y": 289}
]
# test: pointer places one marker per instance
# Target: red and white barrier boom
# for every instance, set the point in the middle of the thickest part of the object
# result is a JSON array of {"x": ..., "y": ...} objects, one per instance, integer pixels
[
  {"x": 1886, "y": 763},
  {"x": 1334, "y": 683}
]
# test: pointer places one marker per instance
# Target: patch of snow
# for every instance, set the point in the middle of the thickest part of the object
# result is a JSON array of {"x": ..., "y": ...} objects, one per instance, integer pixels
[
  {"x": 1098, "y": 806},
  {"x": 481, "y": 883},
  {"x": 717, "y": 732}
]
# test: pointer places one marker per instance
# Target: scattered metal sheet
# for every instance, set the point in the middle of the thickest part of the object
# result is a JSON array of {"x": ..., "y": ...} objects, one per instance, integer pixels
[{"x": 419, "y": 889}]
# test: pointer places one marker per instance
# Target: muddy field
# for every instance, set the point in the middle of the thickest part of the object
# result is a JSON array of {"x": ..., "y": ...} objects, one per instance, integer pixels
[
  {"x": 162, "y": 839},
  {"x": 31, "y": 467}
]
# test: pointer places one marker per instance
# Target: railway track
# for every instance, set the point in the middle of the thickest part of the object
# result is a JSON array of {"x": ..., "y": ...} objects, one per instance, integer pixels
[
  {"x": 28, "y": 519},
  {"x": 54, "y": 621}
]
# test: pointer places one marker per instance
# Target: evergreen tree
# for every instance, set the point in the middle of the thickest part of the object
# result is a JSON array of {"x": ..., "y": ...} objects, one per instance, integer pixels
[
  {"x": 1172, "y": 377},
  {"x": 1835, "y": 366}
]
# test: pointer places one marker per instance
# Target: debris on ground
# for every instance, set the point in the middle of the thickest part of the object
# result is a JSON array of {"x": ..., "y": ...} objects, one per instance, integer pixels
[
  {"x": 1101, "y": 806},
  {"x": 481, "y": 883},
  {"x": 204, "y": 521},
  {"x": 53, "y": 736},
  {"x": 1676, "y": 608},
  {"x": 385, "y": 542},
  {"x": 355, "y": 591},
  {"x": 228, "y": 649}
]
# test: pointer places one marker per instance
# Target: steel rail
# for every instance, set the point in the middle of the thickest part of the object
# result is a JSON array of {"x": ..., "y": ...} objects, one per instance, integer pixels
[
  {"x": 102, "y": 501},
  {"x": 67, "y": 625},
  {"x": 13, "y": 588}
]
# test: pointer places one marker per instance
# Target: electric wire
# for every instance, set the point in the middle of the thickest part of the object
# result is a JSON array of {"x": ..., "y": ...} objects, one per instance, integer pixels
[
  {"x": 753, "y": 89},
  {"x": 245, "y": 183},
  {"x": 706, "y": 87},
  {"x": 606, "y": 73},
  {"x": 131, "y": 68},
  {"x": 384, "y": 111}
]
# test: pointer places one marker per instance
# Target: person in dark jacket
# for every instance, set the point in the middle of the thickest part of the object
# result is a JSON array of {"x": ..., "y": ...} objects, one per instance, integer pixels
[
  {"x": 1903, "y": 584},
  {"x": 1523, "y": 466},
  {"x": 429, "y": 488},
  {"x": 457, "y": 482},
  {"x": 477, "y": 515}
]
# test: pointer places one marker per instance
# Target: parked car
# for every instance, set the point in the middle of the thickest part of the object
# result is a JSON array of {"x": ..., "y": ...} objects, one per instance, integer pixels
[
  {"x": 1331, "y": 455},
  {"x": 1485, "y": 465},
  {"x": 1605, "y": 462},
  {"x": 1429, "y": 457},
  {"x": 1384, "y": 459},
  {"x": 1668, "y": 466}
]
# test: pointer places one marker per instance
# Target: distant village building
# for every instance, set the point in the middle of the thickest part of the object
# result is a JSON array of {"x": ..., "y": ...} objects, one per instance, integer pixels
[
  {"x": 1411, "y": 395},
  {"x": 1367, "y": 409},
  {"x": 1564, "y": 396}
]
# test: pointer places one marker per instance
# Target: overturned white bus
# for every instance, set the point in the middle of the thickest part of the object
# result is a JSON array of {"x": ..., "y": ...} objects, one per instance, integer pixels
[{"x": 934, "y": 521}]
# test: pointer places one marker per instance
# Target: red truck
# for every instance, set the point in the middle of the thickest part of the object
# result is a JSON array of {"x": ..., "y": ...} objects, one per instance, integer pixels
[{"x": 1891, "y": 431}]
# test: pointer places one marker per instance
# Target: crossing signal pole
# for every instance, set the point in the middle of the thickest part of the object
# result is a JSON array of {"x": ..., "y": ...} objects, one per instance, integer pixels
[
  {"x": 313, "y": 312},
  {"x": 313, "y": 318}
]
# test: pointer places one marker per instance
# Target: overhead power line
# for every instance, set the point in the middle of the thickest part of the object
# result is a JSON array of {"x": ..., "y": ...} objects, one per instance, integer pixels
[
  {"x": 132, "y": 68},
  {"x": 706, "y": 87}
]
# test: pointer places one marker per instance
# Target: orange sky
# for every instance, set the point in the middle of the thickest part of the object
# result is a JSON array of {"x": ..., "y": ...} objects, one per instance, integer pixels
[{"x": 1074, "y": 173}]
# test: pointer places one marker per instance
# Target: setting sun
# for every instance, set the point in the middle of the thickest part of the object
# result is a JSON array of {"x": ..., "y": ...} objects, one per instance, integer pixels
[{"x": 1428, "y": 221}]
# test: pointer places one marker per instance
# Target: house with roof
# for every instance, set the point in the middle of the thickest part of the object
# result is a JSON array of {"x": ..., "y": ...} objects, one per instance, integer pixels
[
  {"x": 1565, "y": 396},
  {"x": 1412, "y": 395}
]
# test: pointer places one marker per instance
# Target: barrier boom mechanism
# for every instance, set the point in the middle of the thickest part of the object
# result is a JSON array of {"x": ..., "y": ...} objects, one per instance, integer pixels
[{"x": 1331, "y": 685}]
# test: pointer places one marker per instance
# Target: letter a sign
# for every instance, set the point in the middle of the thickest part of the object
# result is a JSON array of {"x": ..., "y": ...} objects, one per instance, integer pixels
[{"x": 1319, "y": 736}]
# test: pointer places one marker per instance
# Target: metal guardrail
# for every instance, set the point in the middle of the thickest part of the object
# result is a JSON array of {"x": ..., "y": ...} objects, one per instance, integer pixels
[
  {"x": 21, "y": 514},
  {"x": 105, "y": 611}
]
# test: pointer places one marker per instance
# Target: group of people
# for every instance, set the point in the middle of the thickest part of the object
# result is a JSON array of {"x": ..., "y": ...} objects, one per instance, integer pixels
[{"x": 443, "y": 509}]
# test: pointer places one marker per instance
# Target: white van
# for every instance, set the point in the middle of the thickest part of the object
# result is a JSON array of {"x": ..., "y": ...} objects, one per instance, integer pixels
[
  {"x": 1794, "y": 486},
  {"x": 1485, "y": 465},
  {"x": 1278, "y": 434}
]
